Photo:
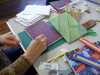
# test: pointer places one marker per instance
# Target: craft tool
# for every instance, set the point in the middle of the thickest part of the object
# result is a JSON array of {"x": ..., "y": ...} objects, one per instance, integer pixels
[
  {"x": 56, "y": 57},
  {"x": 86, "y": 61},
  {"x": 59, "y": 55},
  {"x": 90, "y": 44}
]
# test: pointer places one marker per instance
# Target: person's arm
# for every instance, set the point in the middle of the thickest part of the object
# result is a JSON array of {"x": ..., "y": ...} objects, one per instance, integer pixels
[
  {"x": 9, "y": 40},
  {"x": 19, "y": 67},
  {"x": 28, "y": 58}
]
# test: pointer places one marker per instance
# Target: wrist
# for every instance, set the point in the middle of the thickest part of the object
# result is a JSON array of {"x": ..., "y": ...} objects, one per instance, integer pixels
[
  {"x": 28, "y": 58},
  {"x": 31, "y": 56}
]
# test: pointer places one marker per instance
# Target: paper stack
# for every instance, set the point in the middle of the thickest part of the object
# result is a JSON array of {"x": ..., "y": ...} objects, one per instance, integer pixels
[{"x": 32, "y": 14}]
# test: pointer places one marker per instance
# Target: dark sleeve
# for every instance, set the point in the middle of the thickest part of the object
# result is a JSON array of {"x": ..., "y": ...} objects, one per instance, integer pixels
[
  {"x": 4, "y": 60},
  {"x": 48, "y": 1},
  {"x": 1, "y": 43},
  {"x": 19, "y": 67}
]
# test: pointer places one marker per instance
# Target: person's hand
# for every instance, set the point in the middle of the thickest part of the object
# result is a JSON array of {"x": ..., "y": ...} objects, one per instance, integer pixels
[
  {"x": 36, "y": 48},
  {"x": 9, "y": 40}
]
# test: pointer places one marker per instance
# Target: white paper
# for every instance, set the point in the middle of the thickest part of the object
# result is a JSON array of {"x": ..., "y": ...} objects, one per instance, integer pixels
[
  {"x": 32, "y": 13},
  {"x": 25, "y": 22},
  {"x": 34, "y": 10},
  {"x": 38, "y": 9}
]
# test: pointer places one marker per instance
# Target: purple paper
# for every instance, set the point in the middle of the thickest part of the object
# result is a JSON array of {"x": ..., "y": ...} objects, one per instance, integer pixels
[
  {"x": 43, "y": 28},
  {"x": 59, "y": 4}
]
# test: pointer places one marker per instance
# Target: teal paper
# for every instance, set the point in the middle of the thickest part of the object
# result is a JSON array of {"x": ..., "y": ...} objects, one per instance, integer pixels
[
  {"x": 25, "y": 39},
  {"x": 68, "y": 27}
]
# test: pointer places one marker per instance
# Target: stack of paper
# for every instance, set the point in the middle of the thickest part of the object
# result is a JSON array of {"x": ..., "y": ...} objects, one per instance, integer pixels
[{"x": 32, "y": 14}]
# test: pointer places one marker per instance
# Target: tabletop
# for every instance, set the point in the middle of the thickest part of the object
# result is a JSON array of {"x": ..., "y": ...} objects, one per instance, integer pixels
[{"x": 17, "y": 28}]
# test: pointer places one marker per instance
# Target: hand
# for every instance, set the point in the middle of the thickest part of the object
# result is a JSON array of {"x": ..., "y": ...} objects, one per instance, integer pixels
[
  {"x": 36, "y": 48},
  {"x": 9, "y": 40}
]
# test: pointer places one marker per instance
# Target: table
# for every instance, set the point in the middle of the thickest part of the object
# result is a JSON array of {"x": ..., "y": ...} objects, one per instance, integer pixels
[{"x": 17, "y": 28}]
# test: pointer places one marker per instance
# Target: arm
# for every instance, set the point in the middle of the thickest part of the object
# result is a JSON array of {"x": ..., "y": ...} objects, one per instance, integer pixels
[
  {"x": 8, "y": 40},
  {"x": 27, "y": 59},
  {"x": 17, "y": 68}
]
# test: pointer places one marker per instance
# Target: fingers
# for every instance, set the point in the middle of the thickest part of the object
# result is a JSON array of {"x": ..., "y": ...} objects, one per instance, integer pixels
[
  {"x": 12, "y": 37},
  {"x": 36, "y": 47},
  {"x": 42, "y": 38},
  {"x": 10, "y": 40}
]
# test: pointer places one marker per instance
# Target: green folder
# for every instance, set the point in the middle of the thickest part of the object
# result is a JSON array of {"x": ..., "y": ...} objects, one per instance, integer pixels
[
  {"x": 25, "y": 39},
  {"x": 67, "y": 26}
]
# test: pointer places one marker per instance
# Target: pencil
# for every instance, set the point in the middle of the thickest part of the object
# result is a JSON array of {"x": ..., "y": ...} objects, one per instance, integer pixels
[
  {"x": 90, "y": 45},
  {"x": 86, "y": 61},
  {"x": 57, "y": 56}
]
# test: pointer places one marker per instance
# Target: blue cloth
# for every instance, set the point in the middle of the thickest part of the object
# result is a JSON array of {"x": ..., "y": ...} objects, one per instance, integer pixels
[{"x": 13, "y": 53}]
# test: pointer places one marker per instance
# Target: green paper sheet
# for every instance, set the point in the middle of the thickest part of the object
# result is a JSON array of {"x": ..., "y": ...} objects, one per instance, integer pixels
[
  {"x": 91, "y": 33},
  {"x": 25, "y": 39},
  {"x": 55, "y": 45},
  {"x": 67, "y": 26}
]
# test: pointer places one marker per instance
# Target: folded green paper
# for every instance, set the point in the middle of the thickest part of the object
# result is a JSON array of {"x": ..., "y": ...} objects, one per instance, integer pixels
[{"x": 67, "y": 26}]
